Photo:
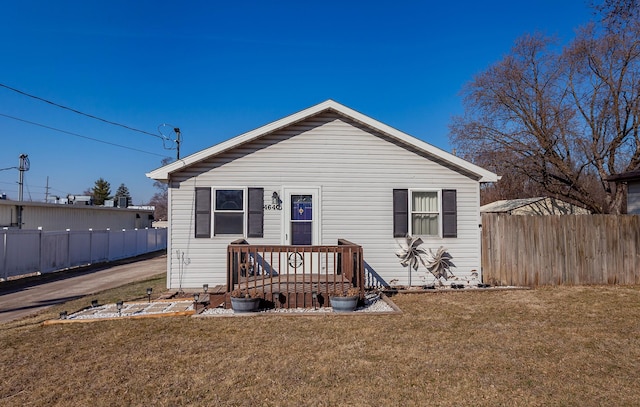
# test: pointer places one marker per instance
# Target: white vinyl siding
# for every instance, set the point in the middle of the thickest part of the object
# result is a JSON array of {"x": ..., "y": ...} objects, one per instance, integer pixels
[{"x": 356, "y": 169}]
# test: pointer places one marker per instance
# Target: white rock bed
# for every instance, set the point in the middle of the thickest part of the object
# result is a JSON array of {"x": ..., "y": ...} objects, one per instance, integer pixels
[
  {"x": 132, "y": 309},
  {"x": 372, "y": 304}
]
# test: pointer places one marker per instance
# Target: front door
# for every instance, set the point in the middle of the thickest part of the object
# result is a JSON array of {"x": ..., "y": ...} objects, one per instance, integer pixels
[
  {"x": 301, "y": 220},
  {"x": 302, "y": 216}
]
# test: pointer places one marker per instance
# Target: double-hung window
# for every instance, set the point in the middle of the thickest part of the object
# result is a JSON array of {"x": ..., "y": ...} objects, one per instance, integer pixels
[
  {"x": 228, "y": 212},
  {"x": 425, "y": 213}
]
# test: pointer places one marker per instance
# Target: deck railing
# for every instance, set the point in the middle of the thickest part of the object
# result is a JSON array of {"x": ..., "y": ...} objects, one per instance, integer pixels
[{"x": 294, "y": 276}]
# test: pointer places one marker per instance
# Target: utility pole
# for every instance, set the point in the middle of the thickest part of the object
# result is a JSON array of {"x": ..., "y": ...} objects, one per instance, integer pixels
[
  {"x": 24, "y": 166},
  {"x": 177, "y": 131},
  {"x": 46, "y": 192}
]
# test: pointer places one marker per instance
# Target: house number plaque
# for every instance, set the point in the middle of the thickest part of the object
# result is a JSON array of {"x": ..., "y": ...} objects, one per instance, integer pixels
[{"x": 276, "y": 203}]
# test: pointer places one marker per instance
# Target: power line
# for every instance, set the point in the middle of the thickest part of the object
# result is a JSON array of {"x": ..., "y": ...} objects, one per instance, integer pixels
[
  {"x": 79, "y": 135},
  {"x": 58, "y": 191},
  {"x": 32, "y": 186},
  {"x": 79, "y": 112}
]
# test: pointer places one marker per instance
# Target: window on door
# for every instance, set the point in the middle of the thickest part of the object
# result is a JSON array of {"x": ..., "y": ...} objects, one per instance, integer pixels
[{"x": 301, "y": 219}]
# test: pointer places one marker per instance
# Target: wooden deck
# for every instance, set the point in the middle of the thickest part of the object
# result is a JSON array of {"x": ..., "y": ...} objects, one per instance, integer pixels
[{"x": 294, "y": 276}]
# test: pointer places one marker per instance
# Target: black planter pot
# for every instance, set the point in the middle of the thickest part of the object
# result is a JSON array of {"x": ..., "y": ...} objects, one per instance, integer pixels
[
  {"x": 241, "y": 305},
  {"x": 344, "y": 304}
]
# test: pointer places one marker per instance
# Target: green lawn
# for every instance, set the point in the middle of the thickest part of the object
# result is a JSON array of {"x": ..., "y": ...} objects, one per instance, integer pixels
[{"x": 558, "y": 346}]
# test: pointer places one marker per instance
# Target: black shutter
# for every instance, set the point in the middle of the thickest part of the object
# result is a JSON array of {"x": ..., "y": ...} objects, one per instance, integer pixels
[
  {"x": 203, "y": 212},
  {"x": 449, "y": 213},
  {"x": 255, "y": 217},
  {"x": 400, "y": 212}
]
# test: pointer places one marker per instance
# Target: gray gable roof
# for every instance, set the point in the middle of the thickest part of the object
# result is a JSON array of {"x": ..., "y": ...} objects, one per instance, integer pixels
[{"x": 163, "y": 173}]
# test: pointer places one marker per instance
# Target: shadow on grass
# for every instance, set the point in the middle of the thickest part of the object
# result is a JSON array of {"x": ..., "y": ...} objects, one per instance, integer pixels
[
  {"x": 45, "y": 303},
  {"x": 22, "y": 284}
]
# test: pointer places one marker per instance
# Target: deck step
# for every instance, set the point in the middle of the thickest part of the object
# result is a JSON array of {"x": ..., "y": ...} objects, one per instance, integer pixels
[{"x": 216, "y": 299}]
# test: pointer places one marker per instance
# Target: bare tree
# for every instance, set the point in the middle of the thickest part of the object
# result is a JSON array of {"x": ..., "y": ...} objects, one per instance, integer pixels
[
  {"x": 512, "y": 184},
  {"x": 563, "y": 120},
  {"x": 160, "y": 201},
  {"x": 161, "y": 198}
]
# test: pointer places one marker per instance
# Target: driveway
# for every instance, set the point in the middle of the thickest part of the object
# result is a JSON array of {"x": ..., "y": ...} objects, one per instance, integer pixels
[{"x": 20, "y": 298}]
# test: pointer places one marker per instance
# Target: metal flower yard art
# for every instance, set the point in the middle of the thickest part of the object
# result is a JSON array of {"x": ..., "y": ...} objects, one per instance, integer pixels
[
  {"x": 439, "y": 264},
  {"x": 411, "y": 255}
]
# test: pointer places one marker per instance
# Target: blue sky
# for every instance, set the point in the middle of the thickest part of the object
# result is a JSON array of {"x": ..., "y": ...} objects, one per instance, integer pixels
[{"x": 218, "y": 69}]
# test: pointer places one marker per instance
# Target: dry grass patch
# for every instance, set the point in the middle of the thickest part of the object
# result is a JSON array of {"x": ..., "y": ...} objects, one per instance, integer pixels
[
  {"x": 136, "y": 291},
  {"x": 561, "y": 346}
]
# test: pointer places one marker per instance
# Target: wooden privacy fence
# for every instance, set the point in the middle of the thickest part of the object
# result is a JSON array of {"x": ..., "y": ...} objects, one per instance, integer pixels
[{"x": 553, "y": 250}]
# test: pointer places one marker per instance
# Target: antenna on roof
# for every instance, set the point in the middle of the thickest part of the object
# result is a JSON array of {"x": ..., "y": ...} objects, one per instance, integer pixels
[
  {"x": 172, "y": 140},
  {"x": 177, "y": 131}
]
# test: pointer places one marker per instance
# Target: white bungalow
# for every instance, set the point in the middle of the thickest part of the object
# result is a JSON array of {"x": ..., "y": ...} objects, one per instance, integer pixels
[{"x": 323, "y": 174}]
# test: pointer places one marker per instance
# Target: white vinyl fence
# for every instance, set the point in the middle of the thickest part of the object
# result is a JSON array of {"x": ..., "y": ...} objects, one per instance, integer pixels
[{"x": 31, "y": 251}]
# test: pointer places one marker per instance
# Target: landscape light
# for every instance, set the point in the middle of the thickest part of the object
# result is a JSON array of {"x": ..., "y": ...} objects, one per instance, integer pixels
[
  {"x": 205, "y": 288},
  {"x": 119, "y": 306},
  {"x": 196, "y": 297},
  {"x": 63, "y": 315},
  {"x": 149, "y": 290},
  {"x": 314, "y": 299},
  {"x": 94, "y": 303},
  {"x": 276, "y": 298}
]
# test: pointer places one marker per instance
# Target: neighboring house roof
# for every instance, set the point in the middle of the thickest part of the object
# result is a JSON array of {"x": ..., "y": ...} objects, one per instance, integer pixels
[
  {"x": 9, "y": 202},
  {"x": 533, "y": 206},
  {"x": 625, "y": 176},
  {"x": 507, "y": 205},
  {"x": 481, "y": 174}
]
